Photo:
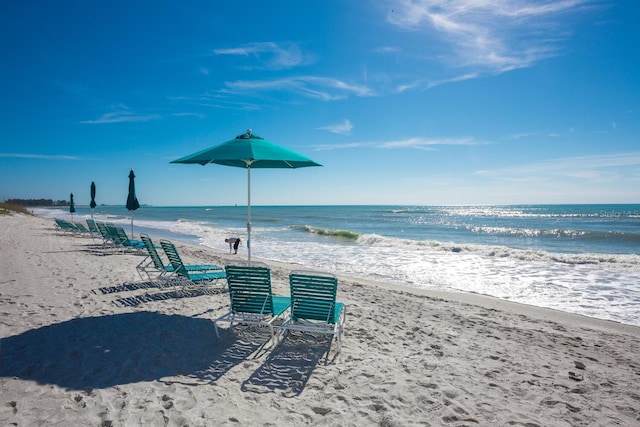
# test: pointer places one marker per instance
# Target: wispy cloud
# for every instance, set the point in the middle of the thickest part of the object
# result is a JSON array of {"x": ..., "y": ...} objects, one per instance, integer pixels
[
  {"x": 37, "y": 156},
  {"x": 388, "y": 49},
  {"x": 428, "y": 143},
  {"x": 198, "y": 115},
  {"x": 323, "y": 88},
  {"x": 422, "y": 83},
  {"x": 415, "y": 143},
  {"x": 494, "y": 35},
  {"x": 576, "y": 167},
  {"x": 343, "y": 128},
  {"x": 272, "y": 56},
  {"x": 122, "y": 116}
]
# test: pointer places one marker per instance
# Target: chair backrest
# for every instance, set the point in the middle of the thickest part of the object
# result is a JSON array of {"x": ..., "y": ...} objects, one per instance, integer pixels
[
  {"x": 65, "y": 225},
  {"x": 92, "y": 226},
  {"x": 80, "y": 227},
  {"x": 122, "y": 235},
  {"x": 250, "y": 289},
  {"x": 313, "y": 295},
  {"x": 151, "y": 249},
  {"x": 174, "y": 258},
  {"x": 113, "y": 234},
  {"x": 102, "y": 228}
]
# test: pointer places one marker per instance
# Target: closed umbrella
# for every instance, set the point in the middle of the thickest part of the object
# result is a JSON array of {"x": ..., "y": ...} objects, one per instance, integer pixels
[
  {"x": 72, "y": 207},
  {"x": 132, "y": 200},
  {"x": 92, "y": 205},
  {"x": 249, "y": 151}
]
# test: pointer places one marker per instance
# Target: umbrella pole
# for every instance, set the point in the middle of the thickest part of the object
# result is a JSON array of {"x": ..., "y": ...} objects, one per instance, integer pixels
[
  {"x": 249, "y": 213},
  {"x": 131, "y": 225}
]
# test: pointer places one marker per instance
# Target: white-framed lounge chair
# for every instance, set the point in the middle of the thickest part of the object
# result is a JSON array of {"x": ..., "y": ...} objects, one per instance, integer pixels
[
  {"x": 82, "y": 229},
  {"x": 93, "y": 228},
  {"x": 153, "y": 264},
  {"x": 121, "y": 240},
  {"x": 107, "y": 240},
  {"x": 313, "y": 305},
  {"x": 66, "y": 226},
  {"x": 251, "y": 298},
  {"x": 203, "y": 277}
]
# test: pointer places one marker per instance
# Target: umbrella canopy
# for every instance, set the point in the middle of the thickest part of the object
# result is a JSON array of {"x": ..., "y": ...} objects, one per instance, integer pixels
[
  {"x": 72, "y": 207},
  {"x": 92, "y": 205},
  {"x": 132, "y": 200},
  {"x": 249, "y": 151}
]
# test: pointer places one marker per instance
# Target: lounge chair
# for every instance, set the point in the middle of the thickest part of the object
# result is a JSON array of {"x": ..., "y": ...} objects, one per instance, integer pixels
[
  {"x": 107, "y": 240},
  {"x": 153, "y": 263},
  {"x": 66, "y": 226},
  {"x": 200, "y": 277},
  {"x": 93, "y": 228},
  {"x": 252, "y": 300},
  {"x": 313, "y": 305},
  {"x": 120, "y": 238},
  {"x": 81, "y": 228}
]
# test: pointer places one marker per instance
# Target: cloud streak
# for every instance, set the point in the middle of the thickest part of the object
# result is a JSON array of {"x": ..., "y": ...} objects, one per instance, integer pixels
[
  {"x": 322, "y": 88},
  {"x": 497, "y": 35},
  {"x": 415, "y": 143},
  {"x": 576, "y": 167},
  {"x": 36, "y": 156},
  {"x": 343, "y": 128},
  {"x": 122, "y": 117},
  {"x": 272, "y": 56}
]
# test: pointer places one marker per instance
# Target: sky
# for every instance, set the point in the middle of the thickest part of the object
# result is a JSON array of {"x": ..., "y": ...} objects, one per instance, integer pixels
[{"x": 423, "y": 102}]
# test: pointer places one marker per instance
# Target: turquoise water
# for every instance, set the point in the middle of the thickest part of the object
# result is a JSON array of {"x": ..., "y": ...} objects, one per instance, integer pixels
[{"x": 578, "y": 258}]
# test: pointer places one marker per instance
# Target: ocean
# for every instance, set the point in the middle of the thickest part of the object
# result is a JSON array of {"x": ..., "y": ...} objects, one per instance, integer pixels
[{"x": 582, "y": 259}]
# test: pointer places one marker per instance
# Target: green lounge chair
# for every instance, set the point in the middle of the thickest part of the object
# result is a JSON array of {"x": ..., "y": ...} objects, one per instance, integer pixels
[
  {"x": 107, "y": 240},
  {"x": 252, "y": 300},
  {"x": 120, "y": 238},
  {"x": 153, "y": 263},
  {"x": 201, "y": 277},
  {"x": 93, "y": 228},
  {"x": 313, "y": 305},
  {"x": 65, "y": 225},
  {"x": 81, "y": 228}
]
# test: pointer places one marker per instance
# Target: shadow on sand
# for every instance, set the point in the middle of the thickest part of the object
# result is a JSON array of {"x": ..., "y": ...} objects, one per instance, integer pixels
[
  {"x": 289, "y": 365},
  {"x": 101, "y": 352}
]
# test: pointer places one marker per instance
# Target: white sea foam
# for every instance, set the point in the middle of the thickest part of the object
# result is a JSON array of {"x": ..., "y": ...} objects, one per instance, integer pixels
[{"x": 606, "y": 286}]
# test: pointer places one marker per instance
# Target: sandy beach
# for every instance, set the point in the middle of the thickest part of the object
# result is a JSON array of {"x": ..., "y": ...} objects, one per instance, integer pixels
[{"x": 85, "y": 342}]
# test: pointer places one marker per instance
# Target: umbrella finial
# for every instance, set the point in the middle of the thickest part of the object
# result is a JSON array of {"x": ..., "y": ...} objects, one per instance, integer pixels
[{"x": 249, "y": 132}]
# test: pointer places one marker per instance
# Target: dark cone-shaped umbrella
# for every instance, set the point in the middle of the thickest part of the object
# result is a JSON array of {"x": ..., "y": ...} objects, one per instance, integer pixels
[
  {"x": 72, "y": 207},
  {"x": 249, "y": 151},
  {"x": 92, "y": 205},
  {"x": 132, "y": 200}
]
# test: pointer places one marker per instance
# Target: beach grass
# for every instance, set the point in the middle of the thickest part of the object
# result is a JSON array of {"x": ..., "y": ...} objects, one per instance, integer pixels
[{"x": 7, "y": 209}]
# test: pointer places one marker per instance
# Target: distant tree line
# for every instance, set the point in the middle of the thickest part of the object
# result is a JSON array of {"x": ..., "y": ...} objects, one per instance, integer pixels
[{"x": 37, "y": 202}]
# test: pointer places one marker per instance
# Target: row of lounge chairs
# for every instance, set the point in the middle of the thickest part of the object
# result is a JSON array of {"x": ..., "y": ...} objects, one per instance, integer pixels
[
  {"x": 112, "y": 236},
  {"x": 71, "y": 227},
  {"x": 311, "y": 306}
]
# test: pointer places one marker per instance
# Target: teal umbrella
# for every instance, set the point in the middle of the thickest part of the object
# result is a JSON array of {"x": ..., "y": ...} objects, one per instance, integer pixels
[
  {"x": 92, "y": 205},
  {"x": 132, "y": 200},
  {"x": 72, "y": 207},
  {"x": 249, "y": 151}
]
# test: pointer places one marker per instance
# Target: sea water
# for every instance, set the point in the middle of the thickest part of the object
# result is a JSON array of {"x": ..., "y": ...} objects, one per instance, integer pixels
[{"x": 581, "y": 259}]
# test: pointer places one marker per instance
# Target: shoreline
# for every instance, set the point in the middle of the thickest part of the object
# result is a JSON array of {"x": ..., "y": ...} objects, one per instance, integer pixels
[
  {"x": 481, "y": 300},
  {"x": 84, "y": 341}
]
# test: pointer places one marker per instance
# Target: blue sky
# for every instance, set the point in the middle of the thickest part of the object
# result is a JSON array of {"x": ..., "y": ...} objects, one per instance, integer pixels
[{"x": 422, "y": 102}]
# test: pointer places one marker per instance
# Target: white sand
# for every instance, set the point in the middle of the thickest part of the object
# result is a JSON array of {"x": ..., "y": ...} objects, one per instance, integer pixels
[{"x": 81, "y": 345}]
